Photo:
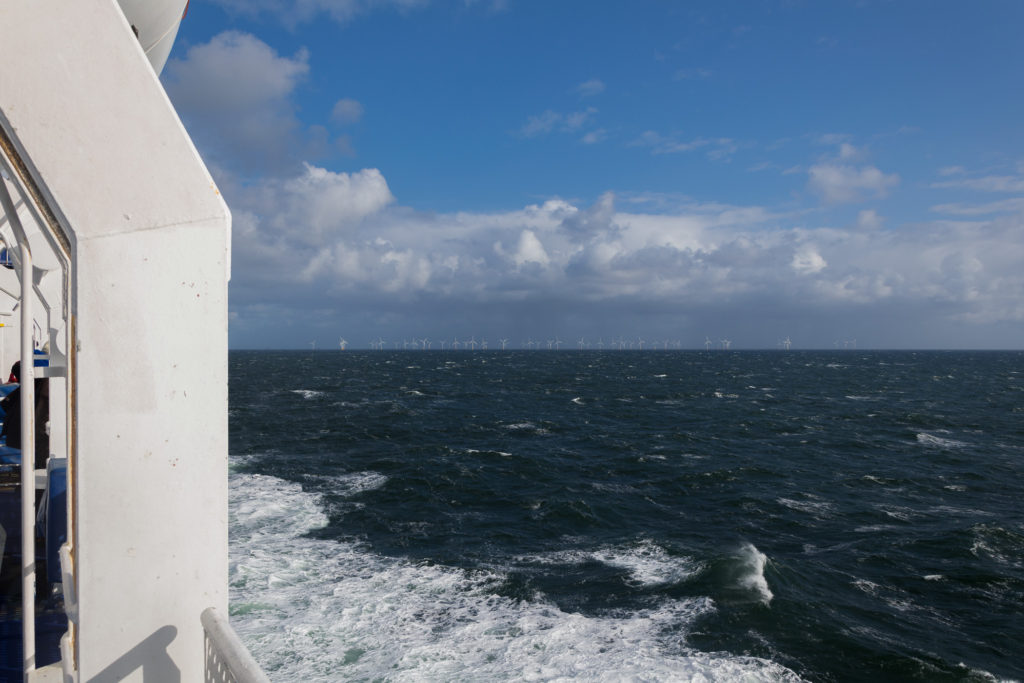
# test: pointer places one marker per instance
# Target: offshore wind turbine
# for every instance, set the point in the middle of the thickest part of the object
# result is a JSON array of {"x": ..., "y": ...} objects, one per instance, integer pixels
[
  {"x": 707, "y": 343},
  {"x": 581, "y": 343},
  {"x": 787, "y": 342},
  {"x": 504, "y": 342},
  {"x": 342, "y": 342}
]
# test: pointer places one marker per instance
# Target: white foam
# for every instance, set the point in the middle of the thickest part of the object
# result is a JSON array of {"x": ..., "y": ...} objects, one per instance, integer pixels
[
  {"x": 932, "y": 441},
  {"x": 904, "y": 514},
  {"x": 578, "y": 400},
  {"x": 525, "y": 426},
  {"x": 816, "y": 508},
  {"x": 318, "y": 610},
  {"x": 308, "y": 393},
  {"x": 473, "y": 451},
  {"x": 356, "y": 482},
  {"x": 751, "y": 577},
  {"x": 648, "y": 564}
]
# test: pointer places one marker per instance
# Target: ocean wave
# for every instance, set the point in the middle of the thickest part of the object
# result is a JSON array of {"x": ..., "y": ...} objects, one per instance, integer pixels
[
  {"x": 356, "y": 482},
  {"x": 816, "y": 508},
  {"x": 525, "y": 427},
  {"x": 993, "y": 542},
  {"x": 474, "y": 451},
  {"x": 648, "y": 564},
  {"x": 308, "y": 393},
  {"x": 317, "y": 610},
  {"x": 933, "y": 441},
  {"x": 750, "y": 564}
]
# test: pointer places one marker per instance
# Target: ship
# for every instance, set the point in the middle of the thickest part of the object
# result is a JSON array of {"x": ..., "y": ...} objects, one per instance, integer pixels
[{"x": 114, "y": 279}]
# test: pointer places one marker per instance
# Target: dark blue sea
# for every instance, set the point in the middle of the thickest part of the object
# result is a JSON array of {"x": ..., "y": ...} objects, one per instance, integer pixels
[{"x": 624, "y": 515}]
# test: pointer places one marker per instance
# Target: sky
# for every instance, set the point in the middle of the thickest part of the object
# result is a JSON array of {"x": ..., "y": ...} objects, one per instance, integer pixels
[{"x": 842, "y": 173}]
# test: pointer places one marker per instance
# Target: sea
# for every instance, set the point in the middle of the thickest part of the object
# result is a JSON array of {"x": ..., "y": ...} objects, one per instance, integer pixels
[{"x": 628, "y": 515}]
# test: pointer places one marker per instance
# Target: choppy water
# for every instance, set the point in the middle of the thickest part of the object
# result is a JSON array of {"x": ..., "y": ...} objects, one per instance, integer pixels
[{"x": 657, "y": 516}]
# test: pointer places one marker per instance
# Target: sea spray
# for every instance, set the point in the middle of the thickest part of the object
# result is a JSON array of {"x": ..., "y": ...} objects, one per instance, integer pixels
[{"x": 315, "y": 610}]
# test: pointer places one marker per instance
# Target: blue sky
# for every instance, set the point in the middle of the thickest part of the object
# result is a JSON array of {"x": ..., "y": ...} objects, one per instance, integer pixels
[{"x": 824, "y": 171}]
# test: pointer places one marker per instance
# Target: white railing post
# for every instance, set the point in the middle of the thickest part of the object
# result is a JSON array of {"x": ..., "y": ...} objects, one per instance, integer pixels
[
  {"x": 227, "y": 659},
  {"x": 28, "y": 475}
]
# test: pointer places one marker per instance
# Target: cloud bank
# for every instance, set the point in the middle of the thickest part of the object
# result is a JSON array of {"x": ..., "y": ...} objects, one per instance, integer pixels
[{"x": 316, "y": 251}]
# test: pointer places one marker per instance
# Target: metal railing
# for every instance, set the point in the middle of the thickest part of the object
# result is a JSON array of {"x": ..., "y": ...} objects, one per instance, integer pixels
[
  {"x": 227, "y": 659},
  {"x": 28, "y": 475}
]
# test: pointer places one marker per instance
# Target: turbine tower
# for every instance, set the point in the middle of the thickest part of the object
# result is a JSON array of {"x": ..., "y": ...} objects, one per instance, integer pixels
[{"x": 342, "y": 342}]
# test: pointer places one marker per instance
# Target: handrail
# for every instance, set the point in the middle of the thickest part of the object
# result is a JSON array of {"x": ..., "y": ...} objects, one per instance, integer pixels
[
  {"x": 28, "y": 450},
  {"x": 227, "y": 659}
]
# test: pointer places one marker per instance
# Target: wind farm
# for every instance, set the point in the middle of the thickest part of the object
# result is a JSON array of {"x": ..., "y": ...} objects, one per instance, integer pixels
[{"x": 480, "y": 343}]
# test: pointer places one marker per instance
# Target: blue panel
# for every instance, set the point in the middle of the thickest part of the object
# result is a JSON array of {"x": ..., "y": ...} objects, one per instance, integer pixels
[
  {"x": 56, "y": 517},
  {"x": 10, "y": 456}
]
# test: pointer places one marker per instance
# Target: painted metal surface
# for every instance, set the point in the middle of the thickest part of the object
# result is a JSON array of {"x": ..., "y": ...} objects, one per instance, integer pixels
[{"x": 141, "y": 305}]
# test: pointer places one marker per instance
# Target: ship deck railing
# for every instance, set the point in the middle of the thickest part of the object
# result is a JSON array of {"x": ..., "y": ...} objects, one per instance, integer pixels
[{"x": 227, "y": 659}]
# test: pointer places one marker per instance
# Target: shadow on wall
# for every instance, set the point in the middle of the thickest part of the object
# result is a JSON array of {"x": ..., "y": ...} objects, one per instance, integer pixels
[{"x": 150, "y": 655}]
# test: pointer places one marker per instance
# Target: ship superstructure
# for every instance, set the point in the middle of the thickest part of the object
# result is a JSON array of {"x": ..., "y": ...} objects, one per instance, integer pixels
[{"x": 117, "y": 244}]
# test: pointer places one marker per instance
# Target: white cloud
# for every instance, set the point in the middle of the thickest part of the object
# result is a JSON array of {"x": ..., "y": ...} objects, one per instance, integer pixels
[
  {"x": 807, "y": 260},
  {"x": 848, "y": 152},
  {"x": 346, "y": 111},
  {"x": 530, "y": 250},
  {"x": 341, "y": 240},
  {"x": 590, "y": 88},
  {"x": 986, "y": 184},
  {"x": 595, "y": 136},
  {"x": 717, "y": 148},
  {"x": 577, "y": 120},
  {"x": 869, "y": 220},
  {"x": 551, "y": 121},
  {"x": 235, "y": 93},
  {"x": 1015, "y": 205},
  {"x": 841, "y": 183},
  {"x": 538, "y": 125},
  {"x": 342, "y": 236}
]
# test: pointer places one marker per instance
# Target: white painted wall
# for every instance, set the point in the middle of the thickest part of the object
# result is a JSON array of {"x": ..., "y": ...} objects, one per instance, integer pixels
[{"x": 148, "y": 234}]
